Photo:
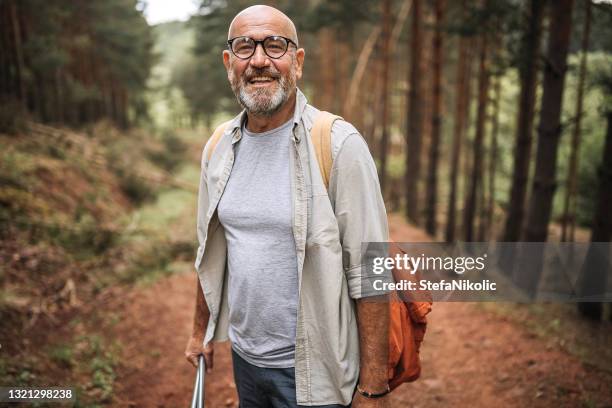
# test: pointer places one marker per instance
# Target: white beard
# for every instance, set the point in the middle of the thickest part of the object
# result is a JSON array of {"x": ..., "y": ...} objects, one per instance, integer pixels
[{"x": 259, "y": 102}]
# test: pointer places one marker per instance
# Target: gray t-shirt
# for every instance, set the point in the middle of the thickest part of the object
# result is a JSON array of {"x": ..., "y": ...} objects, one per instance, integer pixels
[{"x": 256, "y": 213}]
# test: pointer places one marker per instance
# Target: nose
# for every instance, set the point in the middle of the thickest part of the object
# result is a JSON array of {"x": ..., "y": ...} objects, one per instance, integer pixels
[{"x": 259, "y": 59}]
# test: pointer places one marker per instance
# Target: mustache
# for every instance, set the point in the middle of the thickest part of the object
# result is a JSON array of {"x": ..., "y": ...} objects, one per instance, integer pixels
[{"x": 251, "y": 73}]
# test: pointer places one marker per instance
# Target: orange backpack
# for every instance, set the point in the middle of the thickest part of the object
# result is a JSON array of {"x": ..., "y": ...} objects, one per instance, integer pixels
[
  {"x": 407, "y": 315},
  {"x": 407, "y": 325}
]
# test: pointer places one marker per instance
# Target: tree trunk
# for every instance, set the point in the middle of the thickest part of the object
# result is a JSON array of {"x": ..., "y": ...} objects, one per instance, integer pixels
[
  {"x": 5, "y": 85},
  {"x": 593, "y": 278},
  {"x": 372, "y": 112},
  {"x": 569, "y": 204},
  {"x": 487, "y": 198},
  {"x": 426, "y": 105},
  {"x": 125, "y": 109},
  {"x": 476, "y": 170},
  {"x": 358, "y": 73},
  {"x": 326, "y": 82},
  {"x": 493, "y": 155},
  {"x": 524, "y": 128},
  {"x": 549, "y": 131},
  {"x": 18, "y": 52},
  {"x": 364, "y": 57},
  {"x": 343, "y": 63},
  {"x": 436, "y": 120},
  {"x": 384, "y": 97},
  {"x": 461, "y": 111},
  {"x": 481, "y": 205},
  {"x": 413, "y": 122}
]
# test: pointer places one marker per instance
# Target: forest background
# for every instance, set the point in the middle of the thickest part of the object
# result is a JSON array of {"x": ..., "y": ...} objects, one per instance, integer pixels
[{"x": 488, "y": 120}]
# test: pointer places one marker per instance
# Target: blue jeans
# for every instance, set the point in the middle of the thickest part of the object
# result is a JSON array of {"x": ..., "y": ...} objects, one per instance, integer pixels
[{"x": 265, "y": 387}]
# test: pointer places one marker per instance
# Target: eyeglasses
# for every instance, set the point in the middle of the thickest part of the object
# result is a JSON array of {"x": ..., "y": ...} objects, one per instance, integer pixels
[{"x": 274, "y": 46}]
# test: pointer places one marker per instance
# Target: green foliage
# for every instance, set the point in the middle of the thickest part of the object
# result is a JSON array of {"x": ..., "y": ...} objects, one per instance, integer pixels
[
  {"x": 600, "y": 38},
  {"x": 501, "y": 16},
  {"x": 23, "y": 203},
  {"x": 173, "y": 42},
  {"x": 128, "y": 161},
  {"x": 596, "y": 102},
  {"x": 137, "y": 189},
  {"x": 343, "y": 14},
  {"x": 12, "y": 116},
  {"x": 168, "y": 106},
  {"x": 396, "y": 165},
  {"x": 25, "y": 377},
  {"x": 86, "y": 235},
  {"x": 173, "y": 153},
  {"x": 201, "y": 77},
  {"x": 593, "y": 133},
  {"x": 15, "y": 169},
  {"x": 78, "y": 62},
  {"x": 3, "y": 370},
  {"x": 62, "y": 355},
  {"x": 103, "y": 376},
  {"x": 155, "y": 260},
  {"x": 601, "y": 79},
  {"x": 103, "y": 359}
]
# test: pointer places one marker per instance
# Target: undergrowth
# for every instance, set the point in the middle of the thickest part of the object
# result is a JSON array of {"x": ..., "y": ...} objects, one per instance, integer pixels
[{"x": 66, "y": 236}]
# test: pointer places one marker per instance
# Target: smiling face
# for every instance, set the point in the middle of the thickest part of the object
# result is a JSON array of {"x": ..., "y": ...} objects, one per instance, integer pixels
[{"x": 262, "y": 84}]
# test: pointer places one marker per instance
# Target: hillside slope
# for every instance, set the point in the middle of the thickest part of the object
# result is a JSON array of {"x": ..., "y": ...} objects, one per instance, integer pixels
[{"x": 82, "y": 213}]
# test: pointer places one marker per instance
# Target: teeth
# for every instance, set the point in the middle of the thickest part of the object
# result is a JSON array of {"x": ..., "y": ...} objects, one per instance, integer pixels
[{"x": 261, "y": 79}]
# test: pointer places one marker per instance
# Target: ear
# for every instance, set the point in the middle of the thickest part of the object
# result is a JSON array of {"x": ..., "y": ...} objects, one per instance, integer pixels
[
  {"x": 226, "y": 58},
  {"x": 299, "y": 59}
]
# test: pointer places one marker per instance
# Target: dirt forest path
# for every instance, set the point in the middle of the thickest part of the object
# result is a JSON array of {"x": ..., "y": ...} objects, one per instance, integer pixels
[{"x": 471, "y": 357}]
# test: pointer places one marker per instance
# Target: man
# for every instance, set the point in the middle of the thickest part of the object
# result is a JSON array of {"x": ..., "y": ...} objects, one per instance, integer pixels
[{"x": 279, "y": 261}]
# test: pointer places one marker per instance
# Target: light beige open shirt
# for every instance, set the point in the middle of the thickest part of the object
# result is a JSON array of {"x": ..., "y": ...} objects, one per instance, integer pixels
[{"x": 328, "y": 232}]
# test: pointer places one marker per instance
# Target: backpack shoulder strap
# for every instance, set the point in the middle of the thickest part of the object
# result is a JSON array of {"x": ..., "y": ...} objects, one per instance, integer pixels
[
  {"x": 216, "y": 136},
  {"x": 321, "y": 140}
]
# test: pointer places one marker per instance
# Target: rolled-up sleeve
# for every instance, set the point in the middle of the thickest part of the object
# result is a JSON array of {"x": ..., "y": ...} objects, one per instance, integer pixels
[{"x": 360, "y": 210}]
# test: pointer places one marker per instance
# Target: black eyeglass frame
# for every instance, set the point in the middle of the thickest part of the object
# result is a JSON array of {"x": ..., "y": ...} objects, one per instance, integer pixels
[{"x": 257, "y": 42}]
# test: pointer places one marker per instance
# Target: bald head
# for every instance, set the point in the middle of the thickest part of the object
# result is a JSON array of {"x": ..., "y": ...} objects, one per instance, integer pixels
[{"x": 261, "y": 17}]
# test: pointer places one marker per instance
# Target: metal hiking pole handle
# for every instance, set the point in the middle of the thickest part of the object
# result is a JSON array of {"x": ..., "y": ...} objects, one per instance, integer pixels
[{"x": 197, "y": 401}]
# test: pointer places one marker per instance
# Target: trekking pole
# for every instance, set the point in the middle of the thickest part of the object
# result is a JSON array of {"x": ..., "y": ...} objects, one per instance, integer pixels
[{"x": 197, "y": 401}]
